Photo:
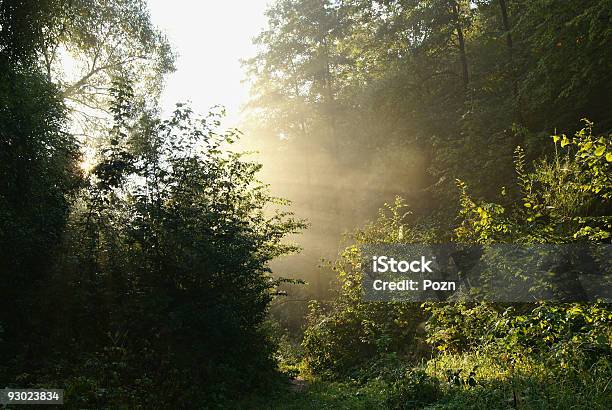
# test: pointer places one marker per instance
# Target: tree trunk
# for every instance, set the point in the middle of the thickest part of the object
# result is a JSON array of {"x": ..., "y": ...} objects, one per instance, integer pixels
[
  {"x": 504, "y": 14},
  {"x": 330, "y": 103},
  {"x": 506, "y": 25},
  {"x": 461, "y": 40}
]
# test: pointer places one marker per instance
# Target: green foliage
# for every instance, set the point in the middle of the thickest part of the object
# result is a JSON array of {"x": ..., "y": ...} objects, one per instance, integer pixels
[
  {"x": 348, "y": 331},
  {"x": 348, "y": 78},
  {"x": 414, "y": 390},
  {"x": 573, "y": 33},
  {"x": 504, "y": 381},
  {"x": 455, "y": 328},
  {"x": 107, "y": 39},
  {"x": 38, "y": 178},
  {"x": 491, "y": 354},
  {"x": 146, "y": 282},
  {"x": 559, "y": 333},
  {"x": 563, "y": 200},
  {"x": 177, "y": 245}
]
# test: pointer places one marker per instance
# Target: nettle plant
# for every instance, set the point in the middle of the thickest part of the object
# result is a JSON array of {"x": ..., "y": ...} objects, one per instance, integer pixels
[
  {"x": 566, "y": 199},
  {"x": 349, "y": 331},
  {"x": 592, "y": 177}
]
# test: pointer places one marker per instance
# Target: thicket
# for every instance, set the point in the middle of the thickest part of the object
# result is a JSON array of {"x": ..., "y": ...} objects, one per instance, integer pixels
[{"x": 507, "y": 354}]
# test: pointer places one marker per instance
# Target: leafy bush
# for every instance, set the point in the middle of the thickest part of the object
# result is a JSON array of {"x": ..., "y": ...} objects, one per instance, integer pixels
[
  {"x": 416, "y": 389},
  {"x": 491, "y": 354},
  {"x": 169, "y": 246},
  {"x": 349, "y": 331}
]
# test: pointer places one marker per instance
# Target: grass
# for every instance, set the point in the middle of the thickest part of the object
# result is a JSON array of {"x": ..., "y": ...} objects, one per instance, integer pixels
[
  {"x": 500, "y": 384},
  {"x": 321, "y": 395},
  {"x": 525, "y": 384}
]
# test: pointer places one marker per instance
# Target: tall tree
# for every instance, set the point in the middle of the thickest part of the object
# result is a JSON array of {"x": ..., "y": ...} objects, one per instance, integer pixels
[
  {"x": 38, "y": 175},
  {"x": 99, "y": 41},
  {"x": 456, "y": 12}
]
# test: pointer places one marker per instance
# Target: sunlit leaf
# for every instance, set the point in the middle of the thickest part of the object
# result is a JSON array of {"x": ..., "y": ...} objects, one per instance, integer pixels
[
  {"x": 564, "y": 142},
  {"x": 600, "y": 150}
]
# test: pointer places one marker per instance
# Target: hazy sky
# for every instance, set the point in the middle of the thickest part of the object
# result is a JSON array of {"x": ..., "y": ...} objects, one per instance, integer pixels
[{"x": 209, "y": 36}]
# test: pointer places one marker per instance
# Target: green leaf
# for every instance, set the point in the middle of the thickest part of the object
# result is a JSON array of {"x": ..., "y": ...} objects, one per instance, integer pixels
[
  {"x": 609, "y": 157},
  {"x": 600, "y": 150},
  {"x": 565, "y": 141},
  {"x": 556, "y": 138}
]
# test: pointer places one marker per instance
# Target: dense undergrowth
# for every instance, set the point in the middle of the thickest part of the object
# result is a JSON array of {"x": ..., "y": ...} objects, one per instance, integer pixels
[
  {"x": 484, "y": 381},
  {"x": 473, "y": 354}
]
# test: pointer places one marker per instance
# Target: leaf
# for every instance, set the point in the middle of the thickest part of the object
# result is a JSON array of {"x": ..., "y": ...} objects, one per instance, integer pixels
[
  {"x": 565, "y": 141},
  {"x": 609, "y": 157},
  {"x": 600, "y": 150},
  {"x": 556, "y": 138},
  {"x": 527, "y": 205}
]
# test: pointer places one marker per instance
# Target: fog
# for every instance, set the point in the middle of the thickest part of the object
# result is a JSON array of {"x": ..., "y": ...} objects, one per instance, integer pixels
[{"x": 335, "y": 193}]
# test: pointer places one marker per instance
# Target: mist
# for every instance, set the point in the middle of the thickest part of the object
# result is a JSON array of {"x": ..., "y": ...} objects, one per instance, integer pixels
[{"x": 336, "y": 190}]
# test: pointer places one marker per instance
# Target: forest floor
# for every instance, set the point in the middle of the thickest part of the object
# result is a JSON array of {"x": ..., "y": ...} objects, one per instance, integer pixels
[
  {"x": 528, "y": 386},
  {"x": 298, "y": 385},
  {"x": 301, "y": 394},
  {"x": 344, "y": 395}
]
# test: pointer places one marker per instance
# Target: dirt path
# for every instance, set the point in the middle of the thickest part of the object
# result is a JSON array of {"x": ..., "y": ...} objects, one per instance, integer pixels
[{"x": 298, "y": 385}]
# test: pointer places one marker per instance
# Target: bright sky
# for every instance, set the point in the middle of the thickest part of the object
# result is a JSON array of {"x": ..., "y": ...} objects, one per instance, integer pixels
[{"x": 209, "y": 36}]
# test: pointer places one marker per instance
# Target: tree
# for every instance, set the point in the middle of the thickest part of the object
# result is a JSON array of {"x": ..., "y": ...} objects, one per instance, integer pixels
[
  {"x": 99, "y": 41},
  {"x": 171, "y": 244},
  {"x": 565, "y": 80},
  {"x": 38, "y": 178}
]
